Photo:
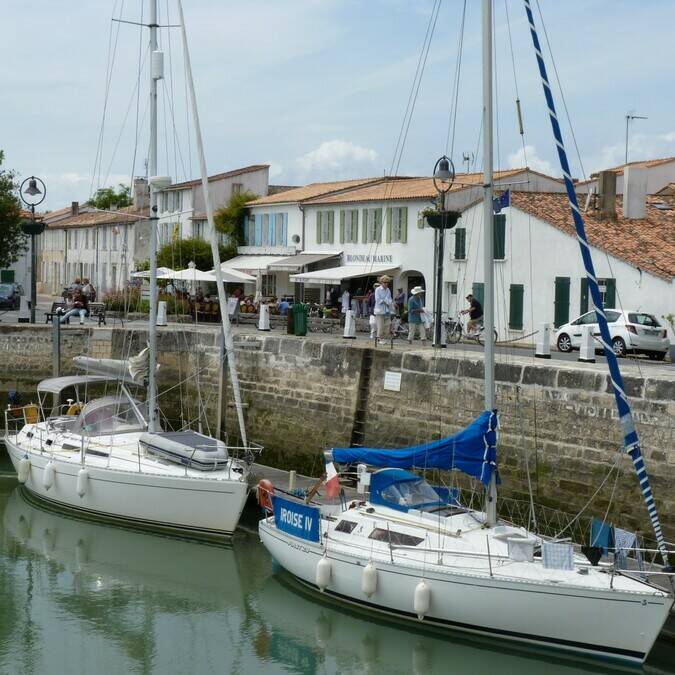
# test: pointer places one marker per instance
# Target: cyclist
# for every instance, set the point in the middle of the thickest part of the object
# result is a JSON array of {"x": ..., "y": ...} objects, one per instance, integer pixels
[{"x": 475, "y": 313}]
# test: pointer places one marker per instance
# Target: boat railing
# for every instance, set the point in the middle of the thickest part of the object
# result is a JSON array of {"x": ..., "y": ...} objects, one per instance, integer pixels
[{"x": 18, "y": 417}]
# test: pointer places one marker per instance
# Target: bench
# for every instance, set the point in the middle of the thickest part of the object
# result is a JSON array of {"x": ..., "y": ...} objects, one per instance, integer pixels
[
  {"x": 55, "y": 307},
  {"x": 96, "y": 310}
]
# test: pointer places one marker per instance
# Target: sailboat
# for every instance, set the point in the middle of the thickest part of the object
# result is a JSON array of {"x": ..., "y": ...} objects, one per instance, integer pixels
[
  {"x": 415, "y": 551},
  {"x": 109, "y": 456}
]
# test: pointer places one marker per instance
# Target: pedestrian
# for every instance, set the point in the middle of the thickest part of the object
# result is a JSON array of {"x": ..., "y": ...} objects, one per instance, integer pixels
[
  {"x": 76, "y": 285},
  {"x": 356, "y": 303},
  {"x": 345, "y": 301},
  {"x": 384, "y": 305},
  {"x": 400, "y": 302},
  {"x": 79, "y": 305},
  {"x": 475, "y": 313},
  {"x": 415, "y": 312},
  {"x": 370, "y": 311},
  {"x": 88, "y": 290},
  {"x": 284, "y": 306}
]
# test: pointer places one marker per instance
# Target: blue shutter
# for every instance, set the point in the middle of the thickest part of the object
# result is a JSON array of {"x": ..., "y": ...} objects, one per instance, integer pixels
[
  {"x": 258, "y": 230},
  {"x": 284, "y": 230},
  {"x": 273, "y": 230}
]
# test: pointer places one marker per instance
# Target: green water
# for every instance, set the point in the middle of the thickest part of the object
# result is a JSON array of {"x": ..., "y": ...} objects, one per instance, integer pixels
[{"x": 78, "y": 597}]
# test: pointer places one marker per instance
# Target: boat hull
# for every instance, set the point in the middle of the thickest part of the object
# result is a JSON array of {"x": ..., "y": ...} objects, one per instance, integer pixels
[
  {"x": 202, "y": 508},
  {"x": 605, "y": 624}
]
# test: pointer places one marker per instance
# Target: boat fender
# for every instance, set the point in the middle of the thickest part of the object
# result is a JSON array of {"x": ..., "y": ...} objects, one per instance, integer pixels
[
  {"x": 82, "y": 481},
  {"x": 265, "y": 492},
  {"x": 48, "y": 475},
  {"x": 323, "y": 572},
  {"x": 422, "y": 599},
  {"x": 369, "y": 579},
  {"x": 23, "y": 470}
]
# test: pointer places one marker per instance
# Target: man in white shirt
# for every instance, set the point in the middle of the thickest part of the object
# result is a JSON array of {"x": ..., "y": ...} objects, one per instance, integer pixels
[{"x": 384, "y": 306}]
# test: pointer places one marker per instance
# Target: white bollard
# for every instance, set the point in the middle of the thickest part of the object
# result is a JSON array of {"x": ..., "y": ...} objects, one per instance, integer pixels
[
  {"x": 587, "y": 348},
  {"x": 543, "y": 348},
  {"x": 350, "y": 326},
  {"x": 291, "y": 480},
  {"x": 264, "y": 317},
  {"x": 161, "y": 313},
  {"x": 24, "y": 312}
]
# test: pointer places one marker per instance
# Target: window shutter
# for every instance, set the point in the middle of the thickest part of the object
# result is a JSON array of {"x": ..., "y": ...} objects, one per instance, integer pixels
[
  {"x": 331, "y": 215},
  {"x": 258, "y": 230},
  {"x": 499, "y": 224},
  {"x": 561, "y": 312},
  {"x": 610, "y": 293},
  {"x": 342, "y": 227},
  {"x": 389, "y": 216},
  {"x": 284, "y": 230},
  {"x": 460, "y": 243},
  {"x": 318, "y": 227},
  {"x": 478, "y": 291},
  {"x": 583, "y": 300},
  {"x": 404, "y": 225},
  {"x": 273, "y": 229},
  {"x": 355, "y": 226},
  {"x": 516, "y": 292},
  {"x": 364, "y": 226},
  {"x": 378, "y": 226}
]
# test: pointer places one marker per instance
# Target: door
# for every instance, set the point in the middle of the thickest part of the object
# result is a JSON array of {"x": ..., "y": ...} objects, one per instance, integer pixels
[
  {"x": 588, "y": 319},
  {"x": 561, "y": 307}
]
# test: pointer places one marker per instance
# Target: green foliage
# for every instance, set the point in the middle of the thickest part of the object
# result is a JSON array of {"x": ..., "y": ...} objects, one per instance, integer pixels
[
  {"x": 142, "y": 265},
  {"x": 13, "y": 242},
  {"x": 130, "y": 300},
  {"x": 231, "y": 218},
  {"x": 178, "y": 254},
  {"x": 106, "y": 198}
]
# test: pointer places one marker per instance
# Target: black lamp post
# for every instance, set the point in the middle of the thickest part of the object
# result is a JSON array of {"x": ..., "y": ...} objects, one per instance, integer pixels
[
  {"x": 32, "y": 195},
  {"x": 442, "y": 220}
]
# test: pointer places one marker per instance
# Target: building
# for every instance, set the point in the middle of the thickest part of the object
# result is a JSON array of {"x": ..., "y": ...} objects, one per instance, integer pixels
[
  {"x": 660, "y": 172},
  {"x": 19, "y": 271}
]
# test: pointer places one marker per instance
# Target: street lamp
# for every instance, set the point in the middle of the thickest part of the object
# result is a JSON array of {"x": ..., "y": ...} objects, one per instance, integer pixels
[
  {"x": 630, "y": 117},
  {"x": 31, "y": 195},
  {"x": 443, "y": 177}
]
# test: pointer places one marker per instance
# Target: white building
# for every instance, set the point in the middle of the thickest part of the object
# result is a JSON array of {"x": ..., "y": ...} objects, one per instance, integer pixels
[{"x": 660, "y": 172}]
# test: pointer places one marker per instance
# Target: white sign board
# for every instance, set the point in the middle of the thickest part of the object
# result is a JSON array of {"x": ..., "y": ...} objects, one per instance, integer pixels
[{"x": 392, "y": 380}]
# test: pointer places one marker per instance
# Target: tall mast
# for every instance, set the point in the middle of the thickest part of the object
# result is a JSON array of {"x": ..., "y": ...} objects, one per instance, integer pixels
[
  {"x": 152, "y": 171},
  {"x": 488, "y": 236}
]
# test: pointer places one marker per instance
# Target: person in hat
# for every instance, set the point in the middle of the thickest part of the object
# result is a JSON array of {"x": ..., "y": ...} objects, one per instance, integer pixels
[
  {"x": 384, "y": 305},
  {"x": 415, "y": 310},
  {"x": 475, "y": 313}
]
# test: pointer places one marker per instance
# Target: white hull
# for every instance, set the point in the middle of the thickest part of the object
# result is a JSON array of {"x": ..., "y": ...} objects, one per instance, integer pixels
[
  {"x": 598, "y": 622},
  {"x": 201, "y": 506}
]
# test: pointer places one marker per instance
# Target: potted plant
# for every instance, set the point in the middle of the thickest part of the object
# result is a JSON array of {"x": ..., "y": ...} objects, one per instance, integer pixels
[
  {"x": 438, "y": 219},
  {"x": 670, "y": 318}
]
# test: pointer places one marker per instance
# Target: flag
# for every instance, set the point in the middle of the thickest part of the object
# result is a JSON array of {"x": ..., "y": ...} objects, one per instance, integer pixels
[
  {"x": 502, "y": 202},
  {"x": 332, "y": 481}
]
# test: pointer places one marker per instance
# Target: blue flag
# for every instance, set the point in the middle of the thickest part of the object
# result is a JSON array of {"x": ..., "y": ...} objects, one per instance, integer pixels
[{"x": 502, "y": 202}]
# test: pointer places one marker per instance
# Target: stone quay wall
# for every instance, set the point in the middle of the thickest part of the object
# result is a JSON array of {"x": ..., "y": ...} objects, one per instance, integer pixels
[{"x": 302, "y": 396}]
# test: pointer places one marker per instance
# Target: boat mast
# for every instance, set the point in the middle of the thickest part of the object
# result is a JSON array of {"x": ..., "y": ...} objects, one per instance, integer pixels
[
  {"x": 488, "y": 237},
  {"x": 152, "y": 171}
]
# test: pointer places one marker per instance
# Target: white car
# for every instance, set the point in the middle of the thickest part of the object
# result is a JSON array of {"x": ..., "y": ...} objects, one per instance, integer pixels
[{"x": 636, "y": 332}]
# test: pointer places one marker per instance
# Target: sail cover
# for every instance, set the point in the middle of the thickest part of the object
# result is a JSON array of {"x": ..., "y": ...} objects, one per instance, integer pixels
[
  {"x": 133, "y": 369},
  {"x": 472, "y": 450}
]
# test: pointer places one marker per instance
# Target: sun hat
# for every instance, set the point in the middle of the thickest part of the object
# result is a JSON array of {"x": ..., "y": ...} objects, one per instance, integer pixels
[
  {"x": 417, "y": 290},
  {"x": 385, "y": 279}
]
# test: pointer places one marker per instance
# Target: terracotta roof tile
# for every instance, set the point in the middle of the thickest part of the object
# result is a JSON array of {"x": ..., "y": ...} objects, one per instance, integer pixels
[
  {"x": 647, "y": 243},
  {"x": 647, "y": 163},
  {"x": 301, "y": 194},
  {"x": 220, "y": 176},
  {"x": 90, "y": 218}
]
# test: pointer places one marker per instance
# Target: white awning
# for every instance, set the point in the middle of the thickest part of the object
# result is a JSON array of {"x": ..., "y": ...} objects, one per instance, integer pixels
[
  {"x": 295, "y": 263},
  {"x": 189, "y": 274},
  {"x": 252, "y": 264},
  {"x": 146, "y": 273},
  {"x": 335, "y": 275},
  {"x": 55, "y": 385},
  {"x": 232, "y": 275}
]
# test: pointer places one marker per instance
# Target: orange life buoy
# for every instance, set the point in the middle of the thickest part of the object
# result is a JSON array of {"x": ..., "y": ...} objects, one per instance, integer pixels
[{"x": 265, "y": 492}]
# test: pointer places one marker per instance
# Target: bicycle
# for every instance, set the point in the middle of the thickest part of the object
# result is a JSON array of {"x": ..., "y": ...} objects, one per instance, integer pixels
[{"x": 456, "y": 331}]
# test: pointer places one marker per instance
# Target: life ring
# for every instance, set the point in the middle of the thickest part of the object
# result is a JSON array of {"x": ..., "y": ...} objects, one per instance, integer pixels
[{"x": 265, "y": 492}]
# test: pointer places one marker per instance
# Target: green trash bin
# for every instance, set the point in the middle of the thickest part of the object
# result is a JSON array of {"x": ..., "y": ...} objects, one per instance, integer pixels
[{"x": 300, "y": 312}]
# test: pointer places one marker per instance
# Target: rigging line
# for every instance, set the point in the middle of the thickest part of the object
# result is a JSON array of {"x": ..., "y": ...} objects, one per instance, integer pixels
[
  {"x": 138, "y": 102},
  {"x": 454, "y": 93},
  {"x": 171, "y": 93}
]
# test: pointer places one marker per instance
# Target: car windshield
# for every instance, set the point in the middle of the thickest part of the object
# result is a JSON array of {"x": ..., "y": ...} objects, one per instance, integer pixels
[
  {"x": 411, "y": 493},
  {"x": 6, "y": 289},
  {"x": 643, "y": 319}
]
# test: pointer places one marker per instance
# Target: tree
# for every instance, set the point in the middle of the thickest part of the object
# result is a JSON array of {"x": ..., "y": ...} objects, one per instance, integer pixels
[
  {"x": 13, "y": 241},
  {"x": 105, "y": 198},
  {"x": 178, "y": 254},
  {"x": 231, "y": 219}
]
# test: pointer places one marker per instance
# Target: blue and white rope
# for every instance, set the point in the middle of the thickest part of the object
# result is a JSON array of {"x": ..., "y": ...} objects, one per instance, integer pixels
[{"x": 631, "y": 440}]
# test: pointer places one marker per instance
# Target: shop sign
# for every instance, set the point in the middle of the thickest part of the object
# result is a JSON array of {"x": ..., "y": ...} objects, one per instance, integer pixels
[
  {"x": 363, "y": 258},
  {"x": 392, "y": 380}
]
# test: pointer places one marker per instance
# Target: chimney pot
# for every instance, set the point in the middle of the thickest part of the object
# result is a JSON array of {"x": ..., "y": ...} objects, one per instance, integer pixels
[
  {"x": 607, "y": 194},
  {"x": 75, "y": 208},
  {"x": 634, "y": 192}
]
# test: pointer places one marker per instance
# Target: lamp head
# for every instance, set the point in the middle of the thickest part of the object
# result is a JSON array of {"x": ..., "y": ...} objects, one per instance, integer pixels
[
  {"x": 443, "y": 170},
  {"x": 33, "y": 188}
]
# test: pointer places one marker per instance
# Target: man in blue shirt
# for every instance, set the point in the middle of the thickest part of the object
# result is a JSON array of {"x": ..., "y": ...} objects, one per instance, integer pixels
[
  {"x": 283, "y": 306},
  {"x": 415, "y": 311}
]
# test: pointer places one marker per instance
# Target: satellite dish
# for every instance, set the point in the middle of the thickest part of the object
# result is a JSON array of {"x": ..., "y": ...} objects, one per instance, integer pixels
[{"x": 295, "y": 238}]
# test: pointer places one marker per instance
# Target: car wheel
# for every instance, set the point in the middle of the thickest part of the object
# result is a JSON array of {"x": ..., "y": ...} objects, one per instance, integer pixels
[
  {"x": 619, "y": 346},
  {"x": 564, "y": 343}
]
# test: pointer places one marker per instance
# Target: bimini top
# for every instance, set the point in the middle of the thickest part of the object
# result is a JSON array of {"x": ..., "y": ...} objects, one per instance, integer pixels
[
  {"x": 55, "y": 385},
  {"x": 472, "y": 450}
]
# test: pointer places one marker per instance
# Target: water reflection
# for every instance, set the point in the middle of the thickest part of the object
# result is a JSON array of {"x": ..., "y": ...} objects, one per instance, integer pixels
[{"x": 81, "y": 597}]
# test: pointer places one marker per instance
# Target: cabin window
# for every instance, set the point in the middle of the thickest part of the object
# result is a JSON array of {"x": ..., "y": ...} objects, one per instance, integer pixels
[
  {"x": 397, "y": 538},
  {"x": 346, "y": 526}
]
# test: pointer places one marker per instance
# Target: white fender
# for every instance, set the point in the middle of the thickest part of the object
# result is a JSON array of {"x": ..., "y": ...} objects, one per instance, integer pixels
[
  {"x": 23, "y": 470},
  {"x": 323, "y": 572},
  {"x": 48, "y": 475},
  {"x": 422, "y": 600},
  {"x": 369, "y": 579},
  {"x": 82, "y": 481}
]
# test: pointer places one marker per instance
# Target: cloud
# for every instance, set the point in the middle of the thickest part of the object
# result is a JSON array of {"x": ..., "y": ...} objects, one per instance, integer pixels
[
  {"x": 336, "y": 156},
  {"x": 640, "y": 146},
  {"x": 527, "y": 156}
]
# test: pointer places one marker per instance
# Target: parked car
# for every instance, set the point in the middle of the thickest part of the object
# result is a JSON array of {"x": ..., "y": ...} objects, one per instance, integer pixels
[
  {"x": 636, "y": 332},
  {"x": 10, "y": 296}
]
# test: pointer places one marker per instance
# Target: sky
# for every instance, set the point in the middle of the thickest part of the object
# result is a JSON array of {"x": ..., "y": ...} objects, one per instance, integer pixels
[{"x": 319, "y": 88}]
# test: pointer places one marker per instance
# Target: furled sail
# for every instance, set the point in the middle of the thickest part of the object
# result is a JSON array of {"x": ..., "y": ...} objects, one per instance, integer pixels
[
  {"x": 133, "y": 370},
  {"x": 473, "y": 451}
]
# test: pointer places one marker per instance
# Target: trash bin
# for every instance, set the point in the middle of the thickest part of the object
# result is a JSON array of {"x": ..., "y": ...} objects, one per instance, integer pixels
[
  {"x": 300, "y": 318},
  {"x": 290, "y": 325}
]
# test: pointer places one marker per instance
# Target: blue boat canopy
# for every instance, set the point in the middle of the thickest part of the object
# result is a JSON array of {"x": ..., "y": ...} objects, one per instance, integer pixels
[{"x": 473, "y": 451}]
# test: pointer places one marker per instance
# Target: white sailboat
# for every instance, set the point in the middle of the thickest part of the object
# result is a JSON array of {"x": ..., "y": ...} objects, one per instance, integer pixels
[
  {"x": 419, "y": 553},
  {"x": 108, "y": 456}
]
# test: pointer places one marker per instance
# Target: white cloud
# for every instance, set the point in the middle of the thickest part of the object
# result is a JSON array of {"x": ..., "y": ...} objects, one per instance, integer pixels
[
  {"x": 527, "y": 156},
  {"x": 640, "y": 146},
  {"x": 338, "y": 156}
]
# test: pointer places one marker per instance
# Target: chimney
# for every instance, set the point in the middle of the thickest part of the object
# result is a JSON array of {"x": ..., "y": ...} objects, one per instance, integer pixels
[
  {"x": 74, "y": 208},
  {"x": 141, "y": 194},
  {"x": 634, "y": 192},
  {"x": 607, "y": 195}
]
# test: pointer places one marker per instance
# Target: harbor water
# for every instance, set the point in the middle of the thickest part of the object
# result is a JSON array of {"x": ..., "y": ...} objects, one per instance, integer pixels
[{"x": 81, "y": 597}]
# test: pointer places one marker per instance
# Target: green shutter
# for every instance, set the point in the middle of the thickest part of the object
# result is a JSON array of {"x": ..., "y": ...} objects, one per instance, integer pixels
[
  {"x": 460, "y": 243},
  {"x": 364, "y": 227},
  {"x": 355, "y": 226},
  {"x": 499, "y": 230},
  {"x": 342, "y": 227},
  {"x": 610, "y": 293},
  {"x": 7, "y": 276},
  {"x": 390, "y": 216},
  {"x": 478, "y": 292},
  {"x": 331, "y": 216},
  {"x": 378, "y": 226},
  {"x": 583, "y": 300},
  {"x": 404, "y": 225},
  {"x": 318, "y": 227},
  {"x": 561, "y": 313},
  {"x": 516, "y": 292}
]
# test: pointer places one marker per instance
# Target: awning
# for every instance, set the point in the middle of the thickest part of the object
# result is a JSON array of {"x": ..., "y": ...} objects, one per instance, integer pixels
[
  {"x": 146, "y": 273},
  {"x": 231, "y": 275},
  {"x": 335, "y": 275},
  {"x": 55, "y": 385},
  {"x": 252, "y": 264},
  {"x": 189, "y": 274},
  {"x": 295, "y": 263}
]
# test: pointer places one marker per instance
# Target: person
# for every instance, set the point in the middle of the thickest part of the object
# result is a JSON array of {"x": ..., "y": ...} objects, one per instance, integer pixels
[
  {"x": 88, "y": 290},
  {"x": 356, "y": 303},
  {"x": 170, "y": 289},
  {"x": 384, "y": 305},
  {"x": 415, "y": 310},
  {"x": 75, "y": 286},
  {"x": 400, "y": 302},
  {"x": 284, "y": 306},
  {"x": 370, "y": 301},
  {"x": 345, "y": 301},
  {"x": 475, "y": 313},
  {"x": 79, "y": 305},
  {"x": 334, "y": 298}
]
